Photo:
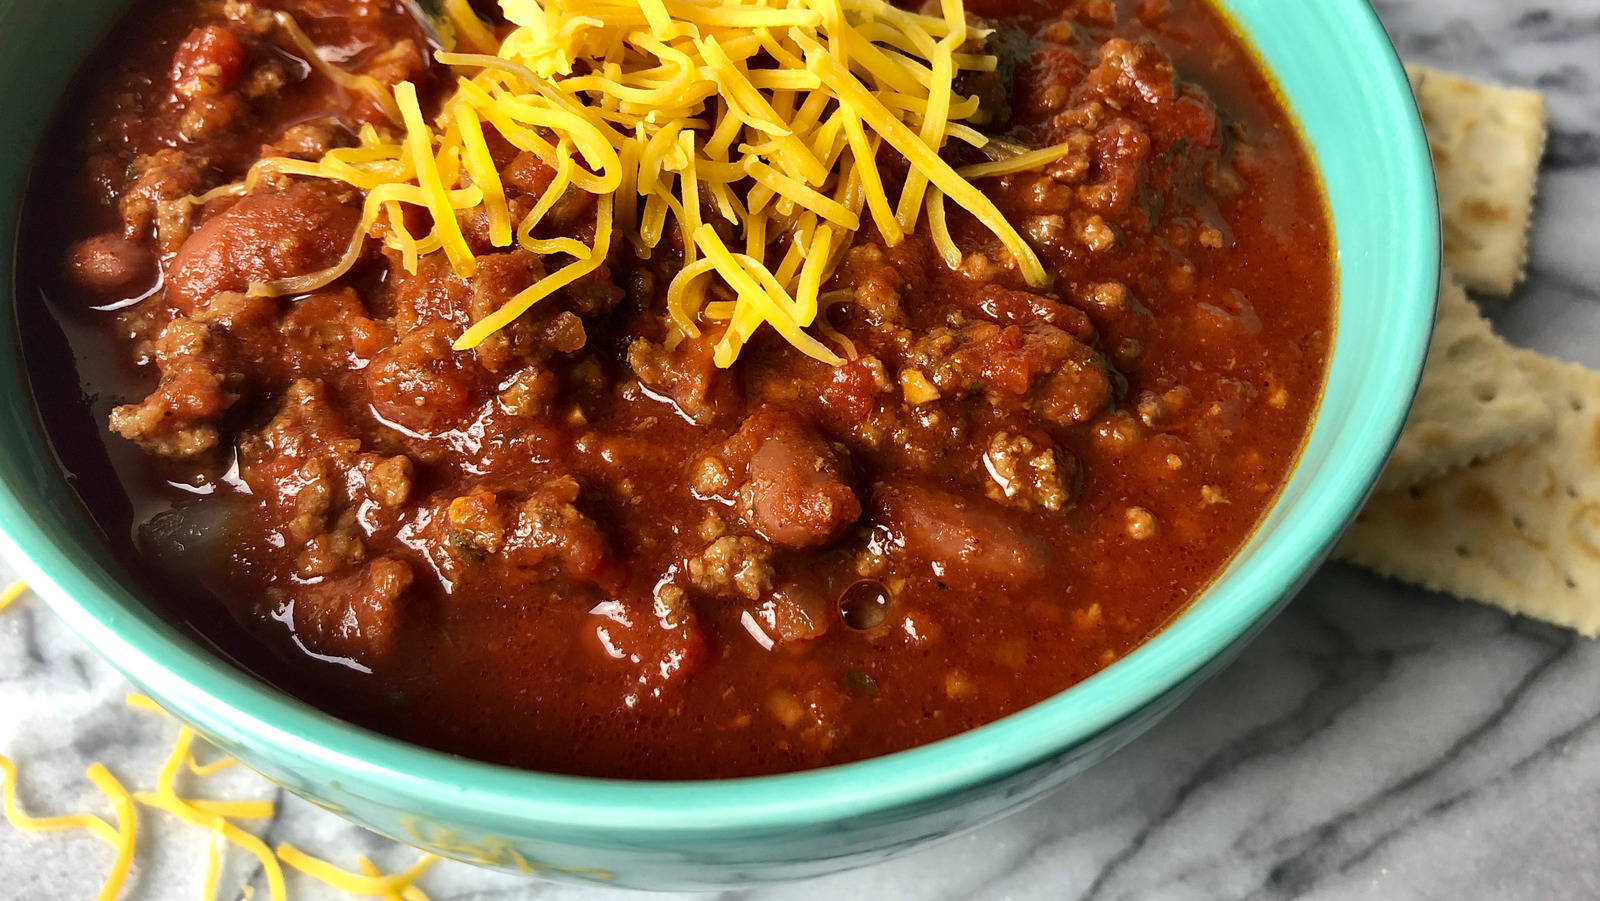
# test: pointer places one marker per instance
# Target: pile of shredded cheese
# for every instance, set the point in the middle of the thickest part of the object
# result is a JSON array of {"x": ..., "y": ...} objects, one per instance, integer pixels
[
  {"x": 747, "y": 132},
  {"x": 215, "y": 816}
]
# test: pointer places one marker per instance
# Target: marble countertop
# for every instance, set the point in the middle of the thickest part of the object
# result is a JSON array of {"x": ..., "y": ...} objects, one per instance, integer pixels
[{"x": 1376, "y": 741}]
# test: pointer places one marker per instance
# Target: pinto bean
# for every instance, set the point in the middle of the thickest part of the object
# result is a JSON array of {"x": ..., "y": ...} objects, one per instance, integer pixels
[
  {"x": 421, "y": 383},
  {"x": 970, "y": 541},
  {"x": 797, "y": 492},
  {"x": 110, "y": 264},
  {"x": 260, "y": 238}
]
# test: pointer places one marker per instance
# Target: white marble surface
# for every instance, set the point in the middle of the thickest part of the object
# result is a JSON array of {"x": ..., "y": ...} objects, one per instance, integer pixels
[{"x": 1376, "y": 742}]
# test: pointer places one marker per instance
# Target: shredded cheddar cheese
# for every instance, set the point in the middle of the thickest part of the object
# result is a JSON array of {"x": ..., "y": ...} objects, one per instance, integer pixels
[
  {"x": 219, "y": 825},
  {"x": 121, "y": 838},
  {"x": 749, "y": 130},
  {"x": 18, "y": 818},
  {"x": 215, "y": 816},
  {"x": 214, "y": 849},
  {"x": 207, "y": 815},
  {"x": 12, "y": 592},
  {"x": 15, "y": 815},
  {"x": 355, "y": 84},
  {"x": 368, "y": 883},
  {"x": 127, "y": 830},
  {"x": 408, "y": 893},
  {"x": 137, "y": 701},
  {"x": 467, "y": 29}
]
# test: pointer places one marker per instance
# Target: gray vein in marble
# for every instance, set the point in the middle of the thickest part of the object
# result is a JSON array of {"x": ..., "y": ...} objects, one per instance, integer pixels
[
  {"x": 1572, "y": 150},
  {"x": 1299, "y": 872},
  {"x": 1344, "y": 680}
]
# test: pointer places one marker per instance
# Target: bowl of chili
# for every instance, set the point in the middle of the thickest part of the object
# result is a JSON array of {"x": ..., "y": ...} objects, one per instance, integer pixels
[{"x": 1362, "y": 216}]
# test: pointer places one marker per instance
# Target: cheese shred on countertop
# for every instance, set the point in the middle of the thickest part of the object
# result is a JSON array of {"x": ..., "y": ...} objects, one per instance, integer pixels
[
  {"x": 367, "y": 882},
  {"x": 11, "y": 592},
  {"x": 214, "y": 816},
  {"x": 122, "y": 837},
  {"x": 731, "y": 125}
]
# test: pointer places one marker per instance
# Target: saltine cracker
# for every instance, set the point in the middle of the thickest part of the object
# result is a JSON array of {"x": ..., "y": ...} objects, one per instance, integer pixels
[
  {"x": 1520, "y": 531},
  {"x": 1487, "y": 142},
  {"x": 1474, "y": 400}
]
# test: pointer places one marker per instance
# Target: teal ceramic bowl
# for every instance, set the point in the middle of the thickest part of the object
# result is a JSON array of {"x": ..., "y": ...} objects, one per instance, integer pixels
[{"x": 1343, "y": 82}]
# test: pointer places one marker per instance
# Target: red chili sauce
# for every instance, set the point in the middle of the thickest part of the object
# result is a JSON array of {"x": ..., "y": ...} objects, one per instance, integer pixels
[{"x": 576, "y": 550}]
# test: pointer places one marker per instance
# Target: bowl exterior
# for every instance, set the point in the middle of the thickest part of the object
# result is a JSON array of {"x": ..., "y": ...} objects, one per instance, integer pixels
[{"x": 1342, "y": 80}]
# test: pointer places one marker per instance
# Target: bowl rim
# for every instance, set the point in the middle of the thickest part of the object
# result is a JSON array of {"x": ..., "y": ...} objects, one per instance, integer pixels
[{"x": 223, "y": 700}]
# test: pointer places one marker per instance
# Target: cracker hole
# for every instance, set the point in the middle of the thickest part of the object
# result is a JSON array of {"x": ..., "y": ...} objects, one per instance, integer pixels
[
  {"x": 1462, "y": 551},
  {"x": 1485, "y": 392},
  {"x": 1518, "y": 524},
  {"x": 1577, "y": 405},
  {"x": 1571, "y": 583},
  {"x": 1572, "y": 492},
  {"x": 1415, "y": 491}
]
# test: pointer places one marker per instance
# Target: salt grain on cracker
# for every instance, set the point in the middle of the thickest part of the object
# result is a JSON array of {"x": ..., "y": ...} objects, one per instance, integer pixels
[
  {"x": 1474, "y": 401},
  {"x": 1487, "y": 142},
  {"x": 1520, "y": 531}
]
